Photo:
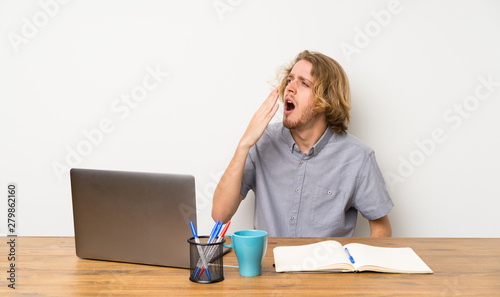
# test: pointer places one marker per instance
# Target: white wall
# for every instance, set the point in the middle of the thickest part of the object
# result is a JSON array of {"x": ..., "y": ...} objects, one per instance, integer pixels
[{"x": 419, "y": 72}]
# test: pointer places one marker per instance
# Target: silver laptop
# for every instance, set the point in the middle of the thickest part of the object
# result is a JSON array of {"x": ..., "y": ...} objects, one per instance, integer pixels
[{"x": 132, "y": 216}]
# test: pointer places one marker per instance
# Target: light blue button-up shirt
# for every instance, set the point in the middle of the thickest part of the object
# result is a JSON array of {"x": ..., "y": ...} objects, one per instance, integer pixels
[{"x": 314, "y": 194}]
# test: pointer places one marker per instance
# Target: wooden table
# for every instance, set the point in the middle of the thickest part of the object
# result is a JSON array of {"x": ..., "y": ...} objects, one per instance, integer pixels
[{"x": 48, "y": 266}]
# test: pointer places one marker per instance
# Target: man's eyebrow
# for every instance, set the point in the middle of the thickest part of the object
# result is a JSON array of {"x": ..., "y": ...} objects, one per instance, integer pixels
[{"x": 301, "y": 78}]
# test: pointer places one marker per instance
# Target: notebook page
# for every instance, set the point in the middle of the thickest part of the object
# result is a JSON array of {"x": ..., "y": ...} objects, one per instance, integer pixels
[
  {"x": 399, "y": 259},
  {"x": 309, "y": 257}
]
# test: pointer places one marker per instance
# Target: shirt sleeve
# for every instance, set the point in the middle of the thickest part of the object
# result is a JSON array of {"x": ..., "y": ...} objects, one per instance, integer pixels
[
  {"x": 248, "y": 179},
  {"x": 371, "y": 197}
]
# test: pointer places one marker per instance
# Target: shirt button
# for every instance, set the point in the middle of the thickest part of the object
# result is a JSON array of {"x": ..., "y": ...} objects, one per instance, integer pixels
[
  {"x": 293, "y": 217},
  {"x": 302, "y": 161},
  {"x": 296, "y": 190},
  {"x": 329, "y": 192}
]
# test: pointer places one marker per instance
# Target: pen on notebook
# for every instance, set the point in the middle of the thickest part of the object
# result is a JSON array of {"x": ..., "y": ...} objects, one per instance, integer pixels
[
  {"x": 204, "y": 263},
  {"x": 349, "y": 254}
]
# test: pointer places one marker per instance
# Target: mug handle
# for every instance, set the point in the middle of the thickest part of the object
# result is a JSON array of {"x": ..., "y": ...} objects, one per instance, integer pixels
[{"x": 231, "y": 246}]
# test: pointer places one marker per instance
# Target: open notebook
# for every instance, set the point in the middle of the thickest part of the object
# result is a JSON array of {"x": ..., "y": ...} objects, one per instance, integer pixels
[{"x": 353, "y": 257}]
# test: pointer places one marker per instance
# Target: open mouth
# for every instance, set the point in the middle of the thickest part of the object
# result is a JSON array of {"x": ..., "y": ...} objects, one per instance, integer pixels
[{"x": 289, "y": 105}]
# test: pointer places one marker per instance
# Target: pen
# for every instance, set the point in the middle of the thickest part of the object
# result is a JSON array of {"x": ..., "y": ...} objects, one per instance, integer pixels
[
  {"x": 198, "y": 272},
  {"x": 223, "y": 232},
  {"x": 215, "y": 231},
  {"x": 202, "y": 255},
  {"x": 349, "y": 254},
  {"x": 219, "y": 230},
  {"x": 213, "y": 249}
]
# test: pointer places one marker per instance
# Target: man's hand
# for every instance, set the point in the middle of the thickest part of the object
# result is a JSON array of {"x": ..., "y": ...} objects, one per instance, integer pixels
[
  {"x": 260, "y": 120},
  {"x": 227, "y": 195}
]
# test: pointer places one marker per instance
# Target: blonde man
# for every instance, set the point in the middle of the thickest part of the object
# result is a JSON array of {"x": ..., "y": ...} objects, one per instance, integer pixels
[{"x": 310, "y": 177}]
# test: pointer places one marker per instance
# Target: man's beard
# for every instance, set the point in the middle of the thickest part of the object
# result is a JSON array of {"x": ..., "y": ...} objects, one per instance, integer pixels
[{"x": 306, "y": 117}]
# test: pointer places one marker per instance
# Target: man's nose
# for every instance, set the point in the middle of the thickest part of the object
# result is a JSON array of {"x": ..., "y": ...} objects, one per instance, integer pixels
[{"x": 291, "y": 87}]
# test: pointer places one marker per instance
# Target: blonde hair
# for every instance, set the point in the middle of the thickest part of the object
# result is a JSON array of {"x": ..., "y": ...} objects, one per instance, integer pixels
[{"x": 331, "y": 89}]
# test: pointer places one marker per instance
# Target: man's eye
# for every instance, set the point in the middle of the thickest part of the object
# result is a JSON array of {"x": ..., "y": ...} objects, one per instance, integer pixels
[{"x": 305, "y": 84}]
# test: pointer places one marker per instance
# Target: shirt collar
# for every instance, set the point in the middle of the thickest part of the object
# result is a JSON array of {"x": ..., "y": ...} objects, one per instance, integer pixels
[
  {"x": 287, "y": 136},
  {"x": 316, "y": 149},
  {"x": 323, "y": 141}
]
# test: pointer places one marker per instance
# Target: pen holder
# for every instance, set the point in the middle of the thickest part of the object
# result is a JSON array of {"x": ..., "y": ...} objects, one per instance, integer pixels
[{"x": 205, "y": 255}]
